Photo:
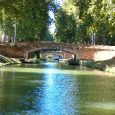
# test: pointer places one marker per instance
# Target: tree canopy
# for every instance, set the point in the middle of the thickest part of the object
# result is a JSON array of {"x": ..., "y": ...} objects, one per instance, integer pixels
[
  {"x": 78, "y": 20},
  {"x": 30, "y": 17}
]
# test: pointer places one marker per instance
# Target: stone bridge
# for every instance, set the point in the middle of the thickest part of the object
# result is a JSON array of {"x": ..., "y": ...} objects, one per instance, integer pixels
[{"x": 81, "y": 52}]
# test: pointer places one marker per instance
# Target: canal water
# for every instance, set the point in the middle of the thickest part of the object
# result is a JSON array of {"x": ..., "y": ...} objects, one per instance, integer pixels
[{"x": 55, "y": 89}]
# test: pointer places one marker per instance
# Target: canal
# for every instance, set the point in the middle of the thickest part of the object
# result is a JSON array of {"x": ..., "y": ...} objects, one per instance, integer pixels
[{"x": 55, "y": 89}]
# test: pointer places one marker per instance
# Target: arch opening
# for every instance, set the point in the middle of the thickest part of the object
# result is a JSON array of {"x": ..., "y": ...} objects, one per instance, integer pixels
[{"x": 54, "y": 54}]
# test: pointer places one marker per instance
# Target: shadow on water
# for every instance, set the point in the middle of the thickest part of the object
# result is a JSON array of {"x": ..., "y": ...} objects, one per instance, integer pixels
[{"x": 55, "y": 91}]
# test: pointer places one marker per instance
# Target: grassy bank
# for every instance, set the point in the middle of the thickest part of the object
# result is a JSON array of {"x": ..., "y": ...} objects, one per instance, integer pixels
[{"x": 108, "y": 65}]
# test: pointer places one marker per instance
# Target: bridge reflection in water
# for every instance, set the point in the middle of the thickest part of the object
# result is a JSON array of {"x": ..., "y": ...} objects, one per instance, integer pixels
[{"x": 55, "y": 89}]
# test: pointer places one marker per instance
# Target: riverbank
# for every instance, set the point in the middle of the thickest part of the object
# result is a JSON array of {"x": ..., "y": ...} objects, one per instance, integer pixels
[
  {"x": 8, "y": 61},
  {"x": 107, "y": 66}
]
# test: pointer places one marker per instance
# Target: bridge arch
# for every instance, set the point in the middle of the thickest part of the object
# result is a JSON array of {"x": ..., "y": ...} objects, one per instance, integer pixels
[{"x": 44, "y": 49}]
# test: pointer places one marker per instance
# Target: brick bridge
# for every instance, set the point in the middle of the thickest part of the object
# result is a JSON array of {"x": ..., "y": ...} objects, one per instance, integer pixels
[{"x": 84, "y": 52}]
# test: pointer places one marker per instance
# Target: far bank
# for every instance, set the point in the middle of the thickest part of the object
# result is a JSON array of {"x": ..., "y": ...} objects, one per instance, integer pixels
[{"x": 107, "y": 65}]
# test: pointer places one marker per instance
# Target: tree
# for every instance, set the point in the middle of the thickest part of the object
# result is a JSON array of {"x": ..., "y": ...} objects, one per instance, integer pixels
[
  {"x": 92, "y": 17},
  {"x": 66, "y": 27},
  {"x": 30, "y": 16}
]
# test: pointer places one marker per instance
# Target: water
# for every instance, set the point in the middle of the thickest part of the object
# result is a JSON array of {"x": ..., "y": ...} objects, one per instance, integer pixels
[{"x": 55, "y": 89}]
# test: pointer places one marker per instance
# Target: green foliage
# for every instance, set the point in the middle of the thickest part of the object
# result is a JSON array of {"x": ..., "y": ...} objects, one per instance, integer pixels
[
  {"x": 30, "y": 16},
  {"x": 90, "y": 16},
  {"x": 66, "y": 27}
]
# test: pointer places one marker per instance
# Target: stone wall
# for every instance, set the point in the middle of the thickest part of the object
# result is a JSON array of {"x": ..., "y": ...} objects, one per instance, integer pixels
[{"x": 97, "y": 53}]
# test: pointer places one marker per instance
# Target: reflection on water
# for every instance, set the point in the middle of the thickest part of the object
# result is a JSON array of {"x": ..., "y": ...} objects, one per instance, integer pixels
[
  {"x": 102, "y": 105},
  {"x": 53, "y": 89}
]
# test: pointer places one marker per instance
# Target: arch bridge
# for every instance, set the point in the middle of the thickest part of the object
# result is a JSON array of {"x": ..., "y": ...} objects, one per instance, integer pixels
[{"x": 81, "y": 52}]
